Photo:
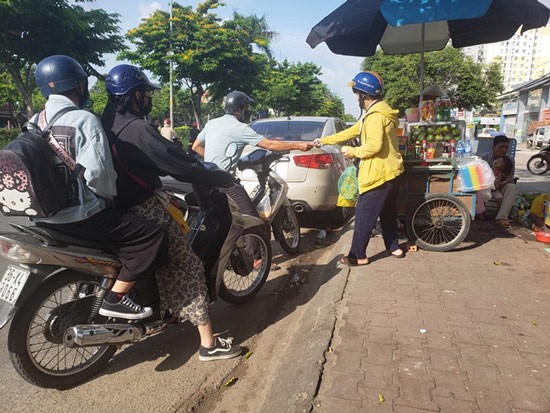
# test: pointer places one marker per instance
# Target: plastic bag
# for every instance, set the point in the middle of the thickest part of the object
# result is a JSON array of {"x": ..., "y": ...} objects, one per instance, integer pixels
[
  {"x": 348, "y": 184},
  {"x": 475, "y": 175},
  {"x": 265, "y": 207}
]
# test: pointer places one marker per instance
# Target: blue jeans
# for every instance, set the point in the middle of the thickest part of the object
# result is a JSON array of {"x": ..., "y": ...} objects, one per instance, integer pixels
[{"x": 378, "y": 202}]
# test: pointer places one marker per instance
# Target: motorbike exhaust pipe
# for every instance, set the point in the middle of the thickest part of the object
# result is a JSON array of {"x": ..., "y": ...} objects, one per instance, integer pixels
[
  {"x": 92, "y": 335},
  {"x": 298, "y": 208}
]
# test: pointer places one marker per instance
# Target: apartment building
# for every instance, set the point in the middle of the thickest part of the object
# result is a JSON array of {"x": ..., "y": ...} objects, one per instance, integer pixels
[{"x": 524, "y": 57}]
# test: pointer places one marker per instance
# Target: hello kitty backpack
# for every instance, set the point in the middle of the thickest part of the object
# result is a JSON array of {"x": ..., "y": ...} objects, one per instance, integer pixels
[{"x": 30, "y": 184}]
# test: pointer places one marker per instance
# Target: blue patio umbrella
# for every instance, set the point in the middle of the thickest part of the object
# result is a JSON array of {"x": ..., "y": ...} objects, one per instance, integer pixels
[{"x": 358, "y": 27}]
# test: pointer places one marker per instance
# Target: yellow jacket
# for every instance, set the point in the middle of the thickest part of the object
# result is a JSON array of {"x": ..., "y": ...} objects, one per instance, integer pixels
[{"x": 379, "y": 150}]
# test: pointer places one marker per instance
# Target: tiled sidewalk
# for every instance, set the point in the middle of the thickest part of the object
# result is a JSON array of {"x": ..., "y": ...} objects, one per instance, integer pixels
[{"x": 461, "y": 331}]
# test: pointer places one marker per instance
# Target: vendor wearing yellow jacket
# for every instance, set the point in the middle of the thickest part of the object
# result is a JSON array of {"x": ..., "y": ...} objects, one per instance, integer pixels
[{"x": 380, "y": 166}]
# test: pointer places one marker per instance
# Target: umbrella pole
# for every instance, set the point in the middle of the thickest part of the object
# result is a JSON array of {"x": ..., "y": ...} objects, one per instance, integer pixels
[{"x": 423, "y": 33}]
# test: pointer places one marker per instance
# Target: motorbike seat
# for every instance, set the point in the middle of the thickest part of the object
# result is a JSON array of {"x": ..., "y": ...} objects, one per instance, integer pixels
[{"x": 52, "y": 238}]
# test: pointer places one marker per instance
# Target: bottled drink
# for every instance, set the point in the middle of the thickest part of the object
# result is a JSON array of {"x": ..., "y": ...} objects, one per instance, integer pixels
[
  {"x": 452, "y": 148},
  {"x": 424, "y": 149},
  {"x": 460, "y": 149},
  {"x": 431, "y": 151},
  {"x": 467, "y": 148}
]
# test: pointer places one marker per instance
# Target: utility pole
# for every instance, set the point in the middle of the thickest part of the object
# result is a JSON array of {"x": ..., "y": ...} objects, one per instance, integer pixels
[{"x": 170, "y": 56}]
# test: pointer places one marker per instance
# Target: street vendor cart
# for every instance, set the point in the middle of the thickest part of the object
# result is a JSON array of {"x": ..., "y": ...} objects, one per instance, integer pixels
[{"x": 436, "y": 214}]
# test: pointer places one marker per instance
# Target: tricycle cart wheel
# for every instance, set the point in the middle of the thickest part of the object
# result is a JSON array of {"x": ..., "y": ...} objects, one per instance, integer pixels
[{"x": 439, "y": 223}]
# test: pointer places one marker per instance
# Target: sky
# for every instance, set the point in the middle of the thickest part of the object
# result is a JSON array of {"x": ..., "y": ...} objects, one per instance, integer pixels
[{"x": 292, "y": 20}]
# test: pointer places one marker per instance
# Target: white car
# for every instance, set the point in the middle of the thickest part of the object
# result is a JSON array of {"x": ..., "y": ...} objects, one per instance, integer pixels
[
  {"x": 487, "y": 133},
  {"x": 312, "y": 176}
]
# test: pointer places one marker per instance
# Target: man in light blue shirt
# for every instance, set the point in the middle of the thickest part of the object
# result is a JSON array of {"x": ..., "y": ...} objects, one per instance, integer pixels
[{"x": 232, "y": 127}]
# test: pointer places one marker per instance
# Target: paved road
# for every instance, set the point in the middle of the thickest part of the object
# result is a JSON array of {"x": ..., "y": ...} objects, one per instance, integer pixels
[
  {"x": 163, "y": 373},
  {"x": 289, "y": 327}
]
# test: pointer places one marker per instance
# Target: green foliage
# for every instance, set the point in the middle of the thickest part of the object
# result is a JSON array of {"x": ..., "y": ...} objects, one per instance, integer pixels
[
  {"x": 98, "y": 97},
  {"x": 34, "y": 29},
  {"x": 292, "y": 89},
  {"x": 7, "y": 135},
  {"x": 206, "y": 53},
  {"x": 467, "y": 83}
]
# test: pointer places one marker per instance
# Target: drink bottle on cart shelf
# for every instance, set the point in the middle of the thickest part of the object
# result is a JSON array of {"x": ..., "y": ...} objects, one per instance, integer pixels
[
  {"x": 460, "y": 149},
  {"x": 467, "y": 148}
]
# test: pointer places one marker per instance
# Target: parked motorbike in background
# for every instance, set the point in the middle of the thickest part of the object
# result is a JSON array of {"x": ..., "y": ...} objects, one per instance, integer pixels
[
  {"x": 54, "y": 286},
  {"x": 539, "y": 163},
  {"x": 270, "y": 199}
]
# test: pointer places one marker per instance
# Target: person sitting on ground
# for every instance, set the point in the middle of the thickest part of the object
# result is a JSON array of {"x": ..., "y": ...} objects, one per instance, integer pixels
[
  {"x": 140, "y": 244},
  {"x": 142, "y": 154},
  {"x": 502, "y": 168},
  {"x": 507, "y": 187}
]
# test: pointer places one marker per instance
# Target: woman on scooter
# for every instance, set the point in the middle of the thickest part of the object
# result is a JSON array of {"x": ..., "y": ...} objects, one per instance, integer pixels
[{"x": 141, "y": 156}]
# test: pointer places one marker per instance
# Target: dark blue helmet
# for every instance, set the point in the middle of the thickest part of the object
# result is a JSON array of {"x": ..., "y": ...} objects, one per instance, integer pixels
[
  {"x": 368, "y": 82},
  {"x": 57, "y": 74},
  {"x": 123, "y": 78}
]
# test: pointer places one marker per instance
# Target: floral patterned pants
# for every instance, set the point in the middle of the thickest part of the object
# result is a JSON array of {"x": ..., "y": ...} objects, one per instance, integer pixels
[{"x": 181, "y": 283}]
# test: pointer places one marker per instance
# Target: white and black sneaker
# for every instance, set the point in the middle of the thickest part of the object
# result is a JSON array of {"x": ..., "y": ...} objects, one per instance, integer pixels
[
  {"x": 223, "y": 349},
  {"x": 125, "y": 308}
]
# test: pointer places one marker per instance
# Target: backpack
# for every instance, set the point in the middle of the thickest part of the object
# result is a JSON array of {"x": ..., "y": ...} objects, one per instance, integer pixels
[{"x": 31, "y": 182}]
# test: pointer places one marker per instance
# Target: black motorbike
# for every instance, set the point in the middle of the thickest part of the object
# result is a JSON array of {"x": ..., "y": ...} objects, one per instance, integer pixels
[
  {"x": 539, "y": 163},
  {"x": 54, "y": 286}
]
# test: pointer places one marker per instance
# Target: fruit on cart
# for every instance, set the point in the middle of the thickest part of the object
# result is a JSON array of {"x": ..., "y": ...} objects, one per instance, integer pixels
[
  {"x": 456, "y": 132},
  {"x": 439, "y": 138}
]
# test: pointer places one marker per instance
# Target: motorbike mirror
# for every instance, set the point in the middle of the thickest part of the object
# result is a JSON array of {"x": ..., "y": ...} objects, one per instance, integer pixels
[{"x": 231, "y": 150}]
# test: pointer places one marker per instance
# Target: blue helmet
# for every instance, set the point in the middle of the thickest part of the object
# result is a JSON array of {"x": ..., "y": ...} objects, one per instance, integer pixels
[
  {"x": 57, "y": 74},
  {"x": 123, "y": 78},
  {"x": 368, "y": 82}
]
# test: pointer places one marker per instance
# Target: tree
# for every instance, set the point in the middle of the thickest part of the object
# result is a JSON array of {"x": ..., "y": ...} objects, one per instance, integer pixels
[
  {"x": 207, "y": 54},
  {"x": 467, "y": 83},
  {"x": 292, "y": 89},
  {"x": 98, "y": 97},
  {"x": 34, "y": 29}
]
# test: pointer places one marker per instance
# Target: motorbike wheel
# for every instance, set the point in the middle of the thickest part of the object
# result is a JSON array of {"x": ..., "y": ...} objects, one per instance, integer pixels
[
  {"x": 35, "y": 340},
  {"x": 237, "y": 288},
  {"x": 286, "y": 230},
  {"x": 538, "y": 164}
]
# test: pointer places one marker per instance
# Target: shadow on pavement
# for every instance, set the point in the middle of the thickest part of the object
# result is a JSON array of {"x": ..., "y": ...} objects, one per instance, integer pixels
[{"x": 280, "y": 296}]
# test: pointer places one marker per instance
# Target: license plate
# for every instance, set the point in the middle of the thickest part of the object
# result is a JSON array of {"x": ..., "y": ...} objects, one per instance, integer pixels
[{"x": 12, "y": 284}]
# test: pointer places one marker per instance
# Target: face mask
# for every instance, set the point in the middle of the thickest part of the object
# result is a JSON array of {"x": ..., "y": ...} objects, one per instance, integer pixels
[{"x": 145, "y": 105}]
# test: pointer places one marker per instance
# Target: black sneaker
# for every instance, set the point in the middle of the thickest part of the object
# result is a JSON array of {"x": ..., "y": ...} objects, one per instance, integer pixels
[
  {"x": 125, "y": 308},
  {"x": 223, "y": 349}
]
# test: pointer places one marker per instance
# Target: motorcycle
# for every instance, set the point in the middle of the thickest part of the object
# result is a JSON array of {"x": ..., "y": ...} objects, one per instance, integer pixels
[
  {"x": 270, "y": 198},
  {"x": 54, "y": 286},
  {"x": 539, "y": 163}
]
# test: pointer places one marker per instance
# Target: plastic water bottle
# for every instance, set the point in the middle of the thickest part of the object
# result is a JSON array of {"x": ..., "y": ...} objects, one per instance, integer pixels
[
  {"x": 467, "y": 148},
  {"x": 460, "y": 149}
]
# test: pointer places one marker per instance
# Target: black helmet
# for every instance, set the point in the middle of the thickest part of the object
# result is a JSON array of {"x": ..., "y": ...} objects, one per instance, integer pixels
[
  {"x": 124, "y": 78},
  {"x": 235, "y": 100},
  {"x": 58, "y": 73}
]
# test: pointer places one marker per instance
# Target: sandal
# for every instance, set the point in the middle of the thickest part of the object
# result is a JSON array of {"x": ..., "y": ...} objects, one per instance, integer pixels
[
  {"x": 504, "y": 223},
  {"x": 346, "y": 260},
  {"x": 399, "y": 254}
]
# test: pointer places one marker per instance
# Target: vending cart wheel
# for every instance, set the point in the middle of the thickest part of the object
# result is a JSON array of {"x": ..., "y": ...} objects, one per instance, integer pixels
[{"x": 439, "y": 223}]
